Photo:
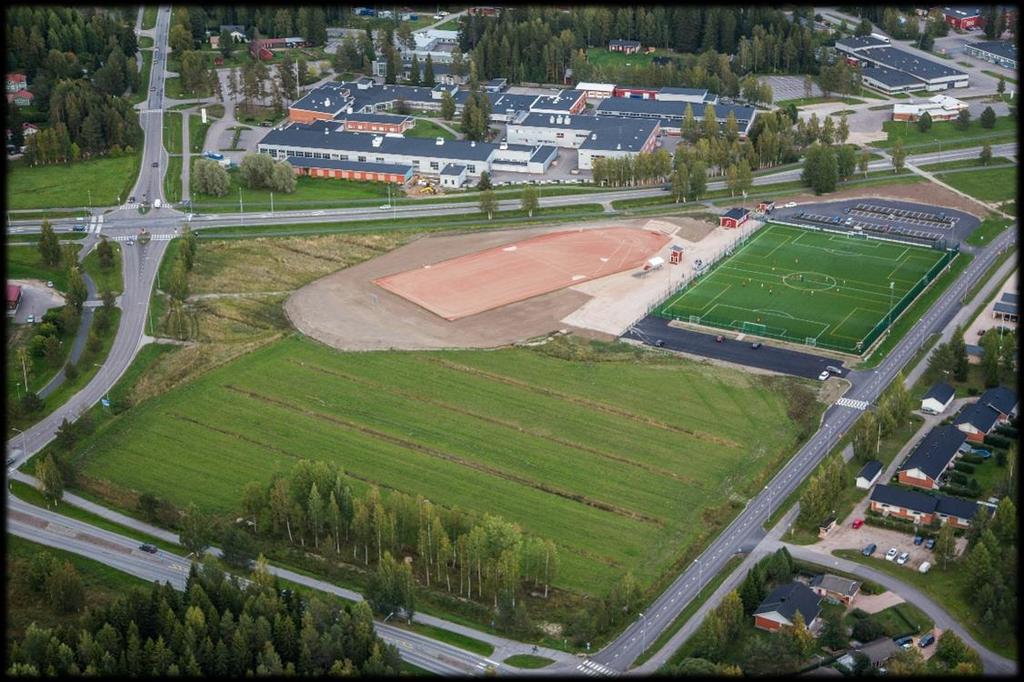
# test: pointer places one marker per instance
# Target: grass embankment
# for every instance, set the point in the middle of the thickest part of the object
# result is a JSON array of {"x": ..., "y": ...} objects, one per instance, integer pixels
[
  {"x": 197, "y": 131},
  {"x": 173, "y": 89},
  {"x": 309, "y": 193},
  {"x": 691, "y": 608},
  {"x": 974, "y": 164},
  {"x": 102, "y": 584},
  {"x": 144, "y": 74},
  {"x": 172, "y": 132},
  {"x": 149, "y": 17},
  {"x": 527, "y": 661},
  {"x": 145, "y": 42},
  {"x": 472, "y": 221},
  {"x": 64, "y": 237},
  {"x": 636, "y": 532},
  {"x": 71, "y": 185},
  {"x": 172, "y": 179},
  {"x": 950, "y": 588},
  {"x": 989, "y": 184},
  {"x": 996, "y": 74},
  {"x": 424, "y": 128},
  {"x": 990, "y": 228},
  {"x": 1000, "y": 259},
  {"x": 916, "y": 310},
  {"x": 106, "y": 279},
  {"x": 945, "y": 135},
  {"x": 48, "y": 215},
  {"x": 448, "y": 637}
]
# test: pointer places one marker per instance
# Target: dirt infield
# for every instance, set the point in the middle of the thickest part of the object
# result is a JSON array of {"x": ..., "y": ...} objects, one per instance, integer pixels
[
  {"x": 348, "y": 311},
  {"x": 471, "y": 284}
]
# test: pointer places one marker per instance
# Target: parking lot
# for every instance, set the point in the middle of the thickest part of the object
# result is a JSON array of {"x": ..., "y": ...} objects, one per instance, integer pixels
[
  {"x": 884, "y": 218},
  {"x": 846, "y": 537},
  {"x": 36, "y": 299},
  {"x": 789, "y": 87}
]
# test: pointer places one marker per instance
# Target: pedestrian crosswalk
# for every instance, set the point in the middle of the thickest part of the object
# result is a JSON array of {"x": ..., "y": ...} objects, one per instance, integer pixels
[
  {"x": 166, "y": 237},
  {"x": 855, "y": 404},
  {"x": 589, "y": 667},
  {"x": 130, "y": 206},
  {"x": 95, "y": 224}
]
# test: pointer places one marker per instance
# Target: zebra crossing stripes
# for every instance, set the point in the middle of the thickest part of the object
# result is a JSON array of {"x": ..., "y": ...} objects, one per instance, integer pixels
[
  {"x": 589, "y": 667},
  {"x": 855, "y": 404},
  {"x": 129, "y": 206},
  {"x": 166, "y": 237}
]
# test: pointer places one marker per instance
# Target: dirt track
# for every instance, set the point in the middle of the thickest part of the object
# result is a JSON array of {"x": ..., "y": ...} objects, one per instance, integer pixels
[{"x": 348, "y": 311}]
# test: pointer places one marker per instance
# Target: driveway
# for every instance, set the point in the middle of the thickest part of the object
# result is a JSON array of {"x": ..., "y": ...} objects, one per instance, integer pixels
[{"x": 36, "y": 299}]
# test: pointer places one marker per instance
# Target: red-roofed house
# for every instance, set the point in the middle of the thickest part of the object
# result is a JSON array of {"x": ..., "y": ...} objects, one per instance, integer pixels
[
  {"x": 21, "y": 98},
  {"x": 16, "y": 82},
  {"x": 28, "y": 129}
]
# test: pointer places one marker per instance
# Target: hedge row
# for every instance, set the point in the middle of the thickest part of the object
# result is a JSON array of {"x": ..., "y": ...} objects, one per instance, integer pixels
[
  {"x": 971, "y": 459},
  {"x": 964, "y": 467},
  {"x": 998, "y": 441},
  {"x": 1007, "y": 430},
  {"x": 960, "y": 490},
  {"x": 893, "y": 523}
]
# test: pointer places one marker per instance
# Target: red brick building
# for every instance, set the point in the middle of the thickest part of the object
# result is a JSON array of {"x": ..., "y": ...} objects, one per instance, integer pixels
[
  {"x": 351, "y": 170},
  {"x": 920, "y": 508},
  {"x": 635, "y": 92},
  {"x": 964, "y": 18},
  {"x": 377, "y": 123}
]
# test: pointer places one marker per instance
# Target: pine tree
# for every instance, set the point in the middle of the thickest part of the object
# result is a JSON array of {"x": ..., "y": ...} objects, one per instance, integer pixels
[
  {"x": 49, "y": 245},
  {"x": 428, "y": 73}
]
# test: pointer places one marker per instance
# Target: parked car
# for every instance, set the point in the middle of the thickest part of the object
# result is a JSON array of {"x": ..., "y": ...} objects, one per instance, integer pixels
[
  {"x": 789, "y": 204},
  {"x": 823, "y": 376},
  {"x": 869, "y": 550},
  {"x": 918, "y": 539},
  {"x": 31, "y": 319},
  {"x": 891, "y": 554},
  {"x": 927, "y": 640},
  {"x": 929, "y": 543},
  {"x": 832, "y": 369},
  {"x": 902, "y": 558},
  {"x": 719, "y": 339},
  {"x": 49, "y": 284},
  {"x": 857, "y": 523},
  {"x": 755, "y": 345},
  {"x": 905, "y": 642},
  {"x": 923, "y": 568},
  {"x": 149, "y": 549},
  {"x": 385, "y": 207},
  {"x": 78, "y": 228},
  {"x": 155, "y": 164},
  {"x": 659, "y": 343}
]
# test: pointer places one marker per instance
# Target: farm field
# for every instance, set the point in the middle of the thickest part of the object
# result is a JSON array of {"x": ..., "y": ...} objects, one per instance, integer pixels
[
  {"x": 786, "y": 282},
  {"x": 511, "y": 432}
]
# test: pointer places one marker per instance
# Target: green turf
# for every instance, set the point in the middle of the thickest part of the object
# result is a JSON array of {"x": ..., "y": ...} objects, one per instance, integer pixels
[
  {"x": 106, "y": 279},
  {"x": 69, "y": 186},
  {"x": 449, "y": 637},
  {"x": 145, "y": 42},
  {"x": 989, "y": 184},
  {"x": 173, "y": 89},
  {"x": 965, "y": 163},
  {"x": 601, "y": 56},
  {"x": 143, "y": 91},
  {"x": 528, "y": 661},
  {"x": 424, "y": 128},
  {"x": 149, "y": 17},
  {"x": 946, "y": 131},
  {"x": 25, "y": 262},
  {"x": 769, "y": 281},
  {"x": 172, "y": 132},
  {"x": 172, "y": 178},
  {"x": 197, "y": 131},
  {"x": 512, "y": 432}
]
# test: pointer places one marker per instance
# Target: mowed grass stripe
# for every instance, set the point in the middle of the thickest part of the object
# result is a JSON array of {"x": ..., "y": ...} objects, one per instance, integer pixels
[
  {"x": 547, "y": 413},
  {"x": 844, "y": 292}
]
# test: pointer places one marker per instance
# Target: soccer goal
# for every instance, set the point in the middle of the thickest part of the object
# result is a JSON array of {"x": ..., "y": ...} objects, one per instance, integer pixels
[
  {"x": 694, "y": 319},
  {"x": 754, "y": 328},
  {"x": 811, "y": 341}
]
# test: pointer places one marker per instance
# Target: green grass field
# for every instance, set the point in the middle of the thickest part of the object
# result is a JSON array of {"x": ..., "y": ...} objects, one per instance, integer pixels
[
  {"x": 320, "y": 192},
  {"x": 801, "y": 284},
  {"x": 69, "y": 186},
  {"x": 197, "y": 131},
  {"x": 149, "y": 17},
  {"x": 946, "y": 133},
  {"x": 990, "y": 228},
  {"x": 965, "y": 163},
  {"x": 172, "y": 132},
  {"x": 172, "y": 177},
  {"x": 990, "y": 184},
  {"x": 425, "y": 128},
  {"x": 512, "y": 432},
  {"x": 601, "y": 56}
]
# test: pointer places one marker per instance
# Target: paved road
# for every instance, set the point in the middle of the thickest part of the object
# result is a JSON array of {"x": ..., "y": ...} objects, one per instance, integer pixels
[{"x": 807, "y": 365}]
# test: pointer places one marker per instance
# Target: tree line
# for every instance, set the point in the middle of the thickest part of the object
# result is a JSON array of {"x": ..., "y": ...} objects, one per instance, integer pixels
[{"x": 215, "y": 627}]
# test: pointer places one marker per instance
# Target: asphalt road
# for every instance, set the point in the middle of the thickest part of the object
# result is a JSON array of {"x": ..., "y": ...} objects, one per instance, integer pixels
[{"x": 651, "y": 329}]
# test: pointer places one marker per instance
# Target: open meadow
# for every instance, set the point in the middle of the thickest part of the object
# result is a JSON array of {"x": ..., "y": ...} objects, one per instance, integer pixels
[
  {"x": 623, "y": 458},
  {"x": 787, "y": 282}
]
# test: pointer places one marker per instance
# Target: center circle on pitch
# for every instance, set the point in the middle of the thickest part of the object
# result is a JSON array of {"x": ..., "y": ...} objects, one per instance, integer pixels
[{"x": 809, "y": 281}]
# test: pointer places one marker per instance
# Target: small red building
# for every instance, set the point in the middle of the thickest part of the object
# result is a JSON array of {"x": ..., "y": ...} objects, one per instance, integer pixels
[
  {"x": 733, "y": 218},
  {"x": 635, "y": 92},
  {"x": 964, "y": 18},
  {"x": 13, "y": 297},
  {"x": 377, "y": 123}
]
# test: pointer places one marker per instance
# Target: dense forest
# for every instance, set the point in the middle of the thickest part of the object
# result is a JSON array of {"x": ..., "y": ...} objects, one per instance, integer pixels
[{"x": 216, "y": 627}]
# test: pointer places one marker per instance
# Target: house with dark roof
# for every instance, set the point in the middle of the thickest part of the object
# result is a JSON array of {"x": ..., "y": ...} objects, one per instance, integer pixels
[
  {"x": 936, "y": 452},
  {"x": 937, "y": 399},
  {"x": 879, "y": 651},
  {"x": 976, "y": 421},
  {"x": 781, "y": 606},
  {"x": 1005, "y": 309},
  {"x": 868, "y": 474},
  {"x": 922, "y": 508},
  {"x": 453, "y": 175},
  {"x": 834, "y": 589},
  {"x": 1002, "y": 400},
  {"x": 624, "y": 46},
  {"x": 734, "y": 217}
]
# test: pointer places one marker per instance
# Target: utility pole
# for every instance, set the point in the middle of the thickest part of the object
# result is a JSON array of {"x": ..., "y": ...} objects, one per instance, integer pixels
[
  {"x": 271, "y": 202},
  {"x": 241, "y": 216}
]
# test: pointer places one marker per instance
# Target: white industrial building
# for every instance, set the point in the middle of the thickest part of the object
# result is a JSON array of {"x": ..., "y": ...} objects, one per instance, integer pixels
[{"x": 898, "y": 70}]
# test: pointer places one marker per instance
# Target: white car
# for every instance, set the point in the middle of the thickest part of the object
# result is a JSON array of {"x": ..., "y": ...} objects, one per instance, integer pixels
[
  {"x": 385, "y": 207},
  {"x": 31, "y": 319},
  {"x": 49, "y": 284},
  {"x": 891, "y": 554},
  {"x": 824, "y": 375},
  {"x": 902, "y": 559},
  {"x": 789, "y": 204}
]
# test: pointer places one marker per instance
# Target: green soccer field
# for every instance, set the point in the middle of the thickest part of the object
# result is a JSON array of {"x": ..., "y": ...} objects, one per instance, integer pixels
[{"x": 786, "y": 282}]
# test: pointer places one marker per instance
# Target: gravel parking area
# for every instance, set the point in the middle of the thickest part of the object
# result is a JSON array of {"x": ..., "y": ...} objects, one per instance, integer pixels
[
  {"x": 36, "y": 299},
  {"x": 789, "y": 87}
]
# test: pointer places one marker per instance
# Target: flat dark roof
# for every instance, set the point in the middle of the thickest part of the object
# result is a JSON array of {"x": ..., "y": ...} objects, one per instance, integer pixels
[{"x": 1000, "y": 48}]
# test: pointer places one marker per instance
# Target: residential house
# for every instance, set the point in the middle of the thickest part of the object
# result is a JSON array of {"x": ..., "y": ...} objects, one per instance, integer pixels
[
  {"x": 781, "y": 606},
  {"x": 922, "y": 508},
  {"x": 236, "y": 31},
  {"x": 976, "y": 420},
  {"x": 16, "y": 82},
  {"x": 733, "y": 218},
  {"x": 29, "y": 129},
  {"x": 835, "y": 589},
  {"x": 1002, "y": 400},
  {"x": 937, "y": 399},
  {"x": 869, "y": 473},
  {"x": 1005, "y": 309},
  {"x": 879, "y": 651},
  {"x": 936, "y": 452},
  {"x": 624, "y": 46},
  {"x": 21, "y": 98}
]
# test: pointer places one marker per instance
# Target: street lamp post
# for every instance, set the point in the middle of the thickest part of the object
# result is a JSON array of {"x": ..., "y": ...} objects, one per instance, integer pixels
[
  {"x": 241, "y": 216},
  {"x": 769, "y": 501},
  {"x": 643, "y": 633},
  {"x": 700, "y": 574},
  {"x": 23, "y": 448}
]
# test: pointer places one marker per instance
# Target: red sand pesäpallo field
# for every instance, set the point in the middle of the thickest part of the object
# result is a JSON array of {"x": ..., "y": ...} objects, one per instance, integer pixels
[{"x": 476, "y": 282}]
